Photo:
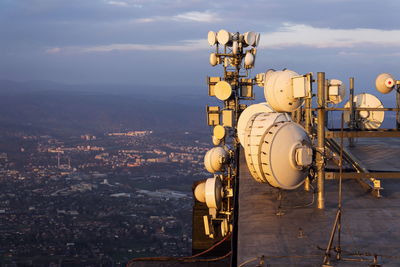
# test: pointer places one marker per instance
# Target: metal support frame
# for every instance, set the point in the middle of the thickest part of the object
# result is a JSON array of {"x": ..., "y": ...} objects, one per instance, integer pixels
[{"x": 320, "y": 157}]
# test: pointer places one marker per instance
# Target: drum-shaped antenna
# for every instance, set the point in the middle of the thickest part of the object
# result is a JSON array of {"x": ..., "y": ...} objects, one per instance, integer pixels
[
  {"x": 249, "y": 112},
  {"x": 279, "y": 154}
]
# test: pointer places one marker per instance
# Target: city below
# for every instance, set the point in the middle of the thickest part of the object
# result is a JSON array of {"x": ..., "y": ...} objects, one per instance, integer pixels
[{"x": 97, "y": 200}]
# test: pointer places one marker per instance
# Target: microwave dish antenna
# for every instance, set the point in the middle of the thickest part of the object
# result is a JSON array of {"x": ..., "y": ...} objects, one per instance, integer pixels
[
  {"x": 367, "y": 120},
  {"x": 213, "y": 191},
  {"x": 215, "y": 159},
  {"x": 385, "y": 83},
  {"x": 212, "y": 38},
  {"x": 278, "y": 90}
]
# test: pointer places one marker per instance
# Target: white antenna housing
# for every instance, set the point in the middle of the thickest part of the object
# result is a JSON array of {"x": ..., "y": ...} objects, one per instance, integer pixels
[
  {"x": 199, "y": 192},
  {"x": 215, "y": 159},
  {"x": 214, "y": 193},
  {"x": 367, "y": 119},
  {"x": 278, "y": 91},
  {"x": 336, "y": 91},
  {"x": 224, "y": 37},
  {"x": 252, "y": 110},
  {"x": 277, "y": 153},
  {"x": 222, "y": 90},
  {"x": 385, "y": 83}
]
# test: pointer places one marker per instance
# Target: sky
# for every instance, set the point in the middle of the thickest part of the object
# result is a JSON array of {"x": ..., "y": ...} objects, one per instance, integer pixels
[{"x": 163, "y": 42}]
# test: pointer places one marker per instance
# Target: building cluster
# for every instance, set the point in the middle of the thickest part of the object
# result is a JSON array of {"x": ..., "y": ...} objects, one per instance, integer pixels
[{"x": 63, "y": 205}]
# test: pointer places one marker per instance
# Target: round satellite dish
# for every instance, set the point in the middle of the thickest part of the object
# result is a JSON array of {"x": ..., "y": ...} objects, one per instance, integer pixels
[
  {"x": 199, "y": 192},
  {"x": 336, "y": 91},
  {"x": 278, "y": 91},
  {"x": 285, "y": 155},
  {"x": 250, "y": 38},
  {"x": 256, "y": 127},
  {"x": 213, "y": 59},
  {"x": 212, "y": 38},
  {"x": 384, "y": 83},
  {"x": 222, "y": 90},
  {"x": 215, "y": 159},
  {"x": 248, "y": 60},
  {"x": 366, "y": 119},
  {"x": 219, "y": 132},
  {"x": 214, "y": 193},
  {"x": 224, "y": 37},
  {"x": 247, "y": 114}
]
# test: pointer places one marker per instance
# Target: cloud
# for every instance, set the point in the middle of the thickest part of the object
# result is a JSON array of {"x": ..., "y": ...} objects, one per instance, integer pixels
[
  {"x": 183, "y": 46},
  {"x": 53, "y": 50},
  {"x": 117, "y": 3},
  {"x": 290, "y": 35},
  {"x": 196, "y": 16}
]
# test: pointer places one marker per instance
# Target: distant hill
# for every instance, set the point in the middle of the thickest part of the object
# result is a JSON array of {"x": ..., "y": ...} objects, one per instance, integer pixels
[{"x": 52, "y": 108}]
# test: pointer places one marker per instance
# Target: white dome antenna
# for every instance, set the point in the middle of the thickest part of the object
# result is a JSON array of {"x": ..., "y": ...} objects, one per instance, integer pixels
[{"x": 385, "y": 83}]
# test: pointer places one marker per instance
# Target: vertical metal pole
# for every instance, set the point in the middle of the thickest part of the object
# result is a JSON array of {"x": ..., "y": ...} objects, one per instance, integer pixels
[
  {"x": 298, "y": 114},
  {"x": 307, "y": 126},
  {"x": 352, "y": 111},
  {"x": 321, "y": 140}
]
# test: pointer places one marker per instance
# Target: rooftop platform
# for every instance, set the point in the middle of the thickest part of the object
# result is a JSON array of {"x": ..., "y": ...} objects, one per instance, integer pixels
[{"x": 295, "y": 238}]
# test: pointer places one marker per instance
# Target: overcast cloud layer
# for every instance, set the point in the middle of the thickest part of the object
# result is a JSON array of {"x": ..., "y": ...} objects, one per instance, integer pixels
[{"x": 164, "y": 41}]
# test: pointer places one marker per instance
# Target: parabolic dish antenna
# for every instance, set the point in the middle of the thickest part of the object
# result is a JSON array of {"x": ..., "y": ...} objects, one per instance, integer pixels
[
  {"x": 256, "y": 127},
  {"x": 366, "y": 119},
  {"x": 280, "y": 154},
  {"x": 224, "y": 37},
  {"x": 215, "y": 159},
  {"x": 250, "y": 38},
  {"x": 278, "y": 91},
  {"x": 222, "y": 90}
]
